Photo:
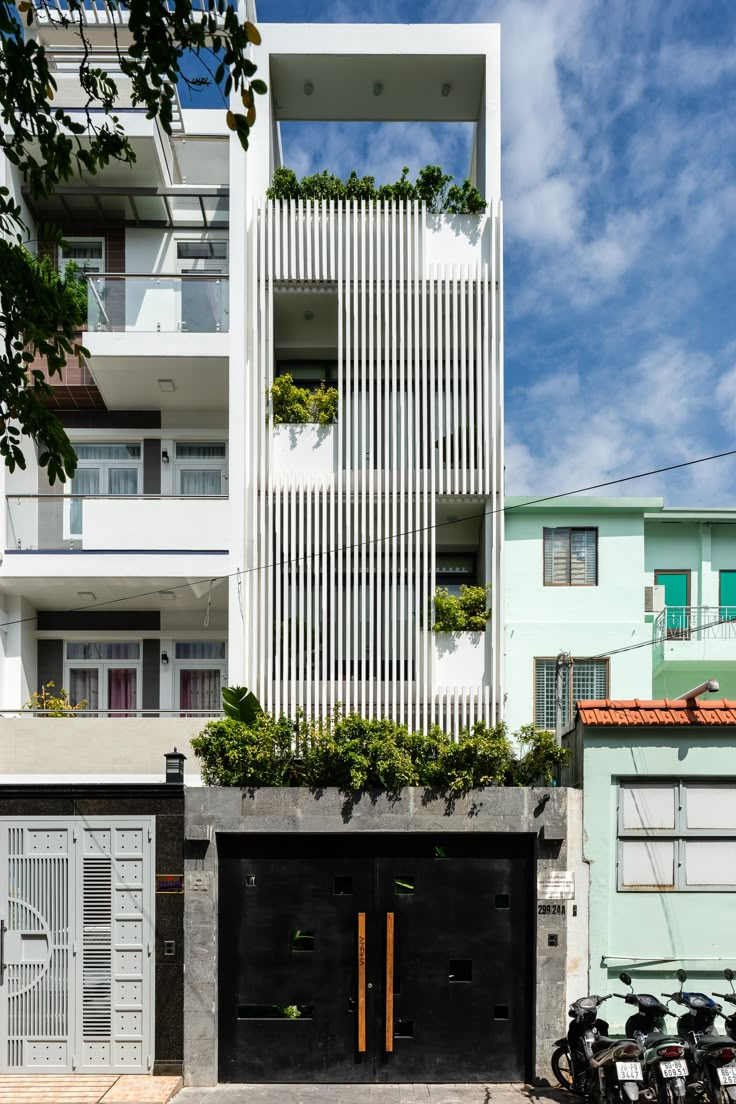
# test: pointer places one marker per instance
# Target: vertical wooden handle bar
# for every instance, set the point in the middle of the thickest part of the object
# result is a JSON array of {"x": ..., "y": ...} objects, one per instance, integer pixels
[
  {"x": 389, "y": 981},
  {"x": 361, "y": 981}
]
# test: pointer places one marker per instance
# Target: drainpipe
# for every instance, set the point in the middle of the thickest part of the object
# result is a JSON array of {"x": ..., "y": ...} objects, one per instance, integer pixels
[
  {"x": 563, "y": 666},
  {"x": 712, "y": 686}
]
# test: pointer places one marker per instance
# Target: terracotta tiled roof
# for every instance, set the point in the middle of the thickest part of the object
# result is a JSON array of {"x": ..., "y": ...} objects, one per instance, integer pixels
[{"x": 661, "y": 713}]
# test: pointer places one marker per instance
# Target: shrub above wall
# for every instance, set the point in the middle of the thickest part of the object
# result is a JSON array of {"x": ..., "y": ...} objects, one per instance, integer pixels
[
  {"x": 355, "y": 754},
  {"x": 432, "y": 187}
]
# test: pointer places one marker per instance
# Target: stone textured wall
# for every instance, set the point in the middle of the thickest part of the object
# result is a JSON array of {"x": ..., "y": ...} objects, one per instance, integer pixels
[{"x": 543, "y": 812}]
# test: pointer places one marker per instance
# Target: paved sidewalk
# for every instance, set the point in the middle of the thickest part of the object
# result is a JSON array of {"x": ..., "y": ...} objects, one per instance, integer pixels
[
  {"x": 74, "y": 1088},
  {"x": 371, "y": 1094}
]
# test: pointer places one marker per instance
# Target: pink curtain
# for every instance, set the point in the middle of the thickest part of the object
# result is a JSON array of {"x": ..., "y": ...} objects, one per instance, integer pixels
[
  {"x": 121, "y": 687},
  {"x": 199, "y": 690}
]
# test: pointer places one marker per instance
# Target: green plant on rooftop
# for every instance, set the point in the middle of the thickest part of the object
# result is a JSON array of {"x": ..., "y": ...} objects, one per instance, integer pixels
[{"x": 432, "y": 187}]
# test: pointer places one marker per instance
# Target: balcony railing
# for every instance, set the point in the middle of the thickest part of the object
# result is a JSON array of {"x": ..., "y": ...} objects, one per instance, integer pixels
[
  {"x": 125, "y": 523},
  {"x": 696, "y": 623},
  {"x": 133, "y": 303},
  {"x": 689, "y": 625}
]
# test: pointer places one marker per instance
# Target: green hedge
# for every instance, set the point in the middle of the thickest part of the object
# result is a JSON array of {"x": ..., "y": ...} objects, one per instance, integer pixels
[
  {"x": 432, "y": 187},
  {"x": 355, "y": 754}
]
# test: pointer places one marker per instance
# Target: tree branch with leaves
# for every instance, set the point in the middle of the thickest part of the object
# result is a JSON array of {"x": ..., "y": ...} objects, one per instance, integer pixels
[{"x": 48, "y": 145}]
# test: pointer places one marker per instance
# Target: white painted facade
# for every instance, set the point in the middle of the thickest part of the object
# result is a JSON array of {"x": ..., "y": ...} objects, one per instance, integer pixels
[{"x": 310, "y": 554}]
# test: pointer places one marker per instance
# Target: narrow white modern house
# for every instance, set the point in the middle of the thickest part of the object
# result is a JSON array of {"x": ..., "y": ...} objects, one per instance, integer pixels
[{"x": 346, "y": 529}]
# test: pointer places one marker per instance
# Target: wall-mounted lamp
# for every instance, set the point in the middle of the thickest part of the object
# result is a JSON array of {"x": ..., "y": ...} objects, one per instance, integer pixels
[
  {"x": 377, "y": 88},
  {"x": 446, "y": 89},
  {"x": 165, "y": 659},
  {"x": 308, "y": 88},
  {"x": 174, "y": 766},
  {"x": 164, "y": 456}
]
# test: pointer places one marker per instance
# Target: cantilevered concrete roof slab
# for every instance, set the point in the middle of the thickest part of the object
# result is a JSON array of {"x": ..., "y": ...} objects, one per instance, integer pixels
[{"x": 387, "y": 72}]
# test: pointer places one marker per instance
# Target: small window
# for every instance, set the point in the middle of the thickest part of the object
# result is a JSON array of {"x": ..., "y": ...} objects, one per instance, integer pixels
[
  {"x": 586, "y": 681},
  {"x": 103, "y": 651},
  {"x": 199, "y": 649},
  {"x": 196, "y": 451},
  {"x": 570, "y": 557},
  {"x": 647, "y": 808},
  {"x": 88, "y": 254},
  {"x": 201, "y": 250}
]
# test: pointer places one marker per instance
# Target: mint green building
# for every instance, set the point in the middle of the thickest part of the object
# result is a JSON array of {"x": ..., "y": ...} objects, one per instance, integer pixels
[
  {"x": 642, "y": 597},
  {"x": 659, "y": 843}
]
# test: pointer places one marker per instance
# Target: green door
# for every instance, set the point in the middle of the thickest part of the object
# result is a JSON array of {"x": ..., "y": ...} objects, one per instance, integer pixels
[
  {"x": 677, "y": 600},
  {"x": 727, "y": 596}
]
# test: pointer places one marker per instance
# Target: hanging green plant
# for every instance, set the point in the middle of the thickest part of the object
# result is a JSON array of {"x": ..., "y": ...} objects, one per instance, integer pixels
[{"x": 293, "y": 405}]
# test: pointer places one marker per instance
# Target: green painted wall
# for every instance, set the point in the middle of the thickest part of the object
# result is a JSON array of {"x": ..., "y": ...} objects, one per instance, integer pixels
[{"x": 691, "y": 928}]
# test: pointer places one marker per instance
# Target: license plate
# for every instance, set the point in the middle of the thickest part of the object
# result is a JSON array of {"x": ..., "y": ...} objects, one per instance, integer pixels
[
  {"x": 676, "y": 1068},
  {"x": 727, "y": 1075},
  {"x": 629, "y": 1071}
]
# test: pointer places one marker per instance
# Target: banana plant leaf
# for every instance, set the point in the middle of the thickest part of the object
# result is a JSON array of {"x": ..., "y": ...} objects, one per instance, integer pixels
[{"x": 240, "y": 704}]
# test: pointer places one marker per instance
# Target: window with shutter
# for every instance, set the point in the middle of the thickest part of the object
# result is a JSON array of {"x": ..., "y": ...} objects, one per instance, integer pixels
[
  {"x": 676, "y": 835},
  {"x": 570, "y": 556}
]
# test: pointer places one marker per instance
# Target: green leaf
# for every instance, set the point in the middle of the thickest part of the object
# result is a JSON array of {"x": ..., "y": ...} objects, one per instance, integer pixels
[{"x": 240, "y": 704}]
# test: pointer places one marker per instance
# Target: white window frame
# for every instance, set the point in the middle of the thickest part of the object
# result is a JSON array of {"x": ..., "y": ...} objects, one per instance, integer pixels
[
  {"x": 103, "y": 666},
  {"x": 197, "y": 665},
  {"x": 215, "y": 463},
  {"x": 103, "y": 466},
  {"x": 89, "y": 265},
  {"x": 679, "y": 834}
]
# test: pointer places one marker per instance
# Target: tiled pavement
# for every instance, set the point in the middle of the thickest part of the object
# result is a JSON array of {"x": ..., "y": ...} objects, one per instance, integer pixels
[
  {"x": 44, "y": 1088},
  {"x": 370, "y": 1094}
]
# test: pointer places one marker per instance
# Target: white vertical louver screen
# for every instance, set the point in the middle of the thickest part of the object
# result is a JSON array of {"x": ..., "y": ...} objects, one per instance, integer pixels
[{"x": 97, "y": 948}]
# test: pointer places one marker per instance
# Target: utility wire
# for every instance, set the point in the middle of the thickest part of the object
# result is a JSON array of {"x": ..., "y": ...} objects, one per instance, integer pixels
[{"x": 396, "y": 536}]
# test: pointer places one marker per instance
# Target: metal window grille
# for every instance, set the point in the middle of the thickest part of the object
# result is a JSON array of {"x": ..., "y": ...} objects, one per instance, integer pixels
[{"x": 589, "y": 681}]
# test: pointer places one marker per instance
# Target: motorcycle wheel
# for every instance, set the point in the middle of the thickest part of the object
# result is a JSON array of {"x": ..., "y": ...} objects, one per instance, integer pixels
[
  {"x": 562, "y": 1068},
  {"x": 665, "y": 1094}
]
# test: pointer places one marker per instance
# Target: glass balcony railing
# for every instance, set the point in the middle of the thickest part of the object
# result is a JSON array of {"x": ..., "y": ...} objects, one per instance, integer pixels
[
  {"x": 126, "y": 303},
  {"x": 123, "y": 523}
]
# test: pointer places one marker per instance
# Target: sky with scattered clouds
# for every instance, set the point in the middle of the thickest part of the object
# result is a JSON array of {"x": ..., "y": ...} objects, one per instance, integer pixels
[{"x": 619, "y": 188}]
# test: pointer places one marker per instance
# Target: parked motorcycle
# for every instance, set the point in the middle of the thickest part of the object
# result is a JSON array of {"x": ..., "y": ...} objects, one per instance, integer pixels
[
  {"x": 589, "y": 1063},
  {"x": 727, "y": 1074},
  {"x": 711, "y": 1057},
  {"x": 663, "y": 1055}
]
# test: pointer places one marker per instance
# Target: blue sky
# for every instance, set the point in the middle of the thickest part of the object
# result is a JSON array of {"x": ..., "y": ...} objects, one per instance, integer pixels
[{"x": 619, "y": 188}]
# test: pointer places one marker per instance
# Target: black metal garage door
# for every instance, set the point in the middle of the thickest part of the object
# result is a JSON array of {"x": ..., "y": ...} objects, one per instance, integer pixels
[{"x": 375, "y": 957}]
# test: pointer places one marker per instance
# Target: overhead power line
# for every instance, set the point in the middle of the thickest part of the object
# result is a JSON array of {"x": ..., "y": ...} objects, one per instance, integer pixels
[{"x": 239, "y": 572}]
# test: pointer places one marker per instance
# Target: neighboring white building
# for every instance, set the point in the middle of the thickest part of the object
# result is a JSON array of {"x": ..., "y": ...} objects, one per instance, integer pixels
[
  {"x": 641, "y": 596},
  {"x": 199, "y": 543}
]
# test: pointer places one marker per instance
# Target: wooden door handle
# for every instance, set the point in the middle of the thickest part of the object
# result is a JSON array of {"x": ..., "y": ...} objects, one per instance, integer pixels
[
  {"x": 389, "y": 981},
  {"x": 361, "y": 982}
]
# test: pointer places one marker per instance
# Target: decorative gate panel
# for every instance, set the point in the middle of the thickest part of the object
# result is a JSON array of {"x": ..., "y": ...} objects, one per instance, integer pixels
[{"x": 76, "y": 917}]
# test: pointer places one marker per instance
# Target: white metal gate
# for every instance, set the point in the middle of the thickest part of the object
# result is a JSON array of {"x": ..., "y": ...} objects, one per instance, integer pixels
[{"x": 76, "y": 944}]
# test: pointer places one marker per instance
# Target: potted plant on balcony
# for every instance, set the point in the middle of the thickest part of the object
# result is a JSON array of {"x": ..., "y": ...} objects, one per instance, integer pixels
[
  {"x": 304, "y": 438},
  {"x": 459, "y": 624}
]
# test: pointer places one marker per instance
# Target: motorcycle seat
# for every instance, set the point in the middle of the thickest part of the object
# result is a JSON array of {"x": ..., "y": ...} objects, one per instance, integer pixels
[{"x": 707, "y": 1042}]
